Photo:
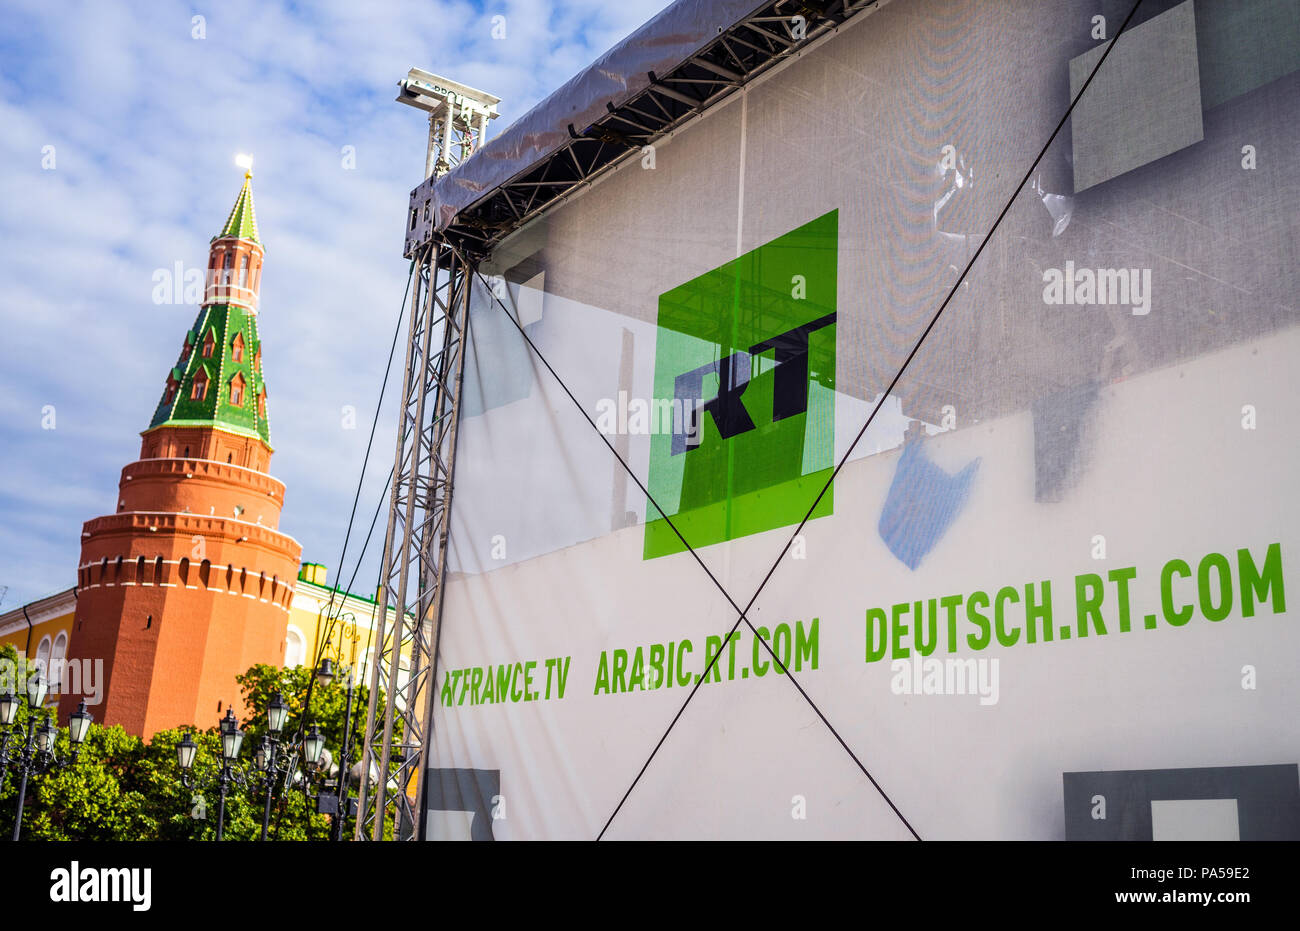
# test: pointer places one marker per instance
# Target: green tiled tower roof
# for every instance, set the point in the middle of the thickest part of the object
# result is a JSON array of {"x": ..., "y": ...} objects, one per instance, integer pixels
[
  {"x": 242, "y": 222},
  {"x": 223, "y": 349}
]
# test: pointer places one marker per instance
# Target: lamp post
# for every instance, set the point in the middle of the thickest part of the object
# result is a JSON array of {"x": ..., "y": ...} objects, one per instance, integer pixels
[
  {"x": 345, "y": 761},
  {"x": 334, "y": 804},
  {"x": 37, "y": 753},
  {"x": 272, "y": 761},
  {"x": 232, "y": 740},
  {"x": 312, "y": 745},
  {"x": 8, "y": 710},
  {"x": 36, "y": 688},
  {"x": 316, "y": 764},
  {"x": 277, "y": 712}
]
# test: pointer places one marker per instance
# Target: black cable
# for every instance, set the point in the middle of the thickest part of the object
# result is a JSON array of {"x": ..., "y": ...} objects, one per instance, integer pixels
[
  {"x": 893, "y": 383},
  {"x": 329, "y": 619},
  {"x": 370, "y": 633},
  {"x": 709, "y": 668},
  {"x": 369, "y": 533},
  {"x": 374, "y": 422},
  {"x": 358, "y": 719},
  {"x": 942, "y": 307}
]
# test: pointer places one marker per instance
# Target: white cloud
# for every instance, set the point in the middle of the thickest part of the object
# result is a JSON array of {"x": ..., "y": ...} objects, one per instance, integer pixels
[{"x": 145, "y": 122}]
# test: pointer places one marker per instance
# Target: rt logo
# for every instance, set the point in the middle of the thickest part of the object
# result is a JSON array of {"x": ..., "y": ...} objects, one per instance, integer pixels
[
  {"x": 752, "y": 344},
  {"x": 789, "y": 388}
]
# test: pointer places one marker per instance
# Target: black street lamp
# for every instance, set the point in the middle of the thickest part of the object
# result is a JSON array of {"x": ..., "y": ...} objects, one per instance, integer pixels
[
  {"x": 318, "y": 760},
  {"x": 269, "y": 765},
  {"x": 345, "y": 761},
  {"x": 266, "y": 760},
  {"x": 8, "y": 708},
  {"x": 36, "y": 754},
  {"x": 263, "y": 756},
  {"x": 79, "y": 725},
  {"x": 8, "y": 711},
  {"x": 312, "y": 745},
  {"x": 274, "y": 769},
  {"x": 277, "y": 712},
  {"x": 232, "y": 740},
  {"x": 185, "y": 751},
  {"x": 316, "y": 766}
]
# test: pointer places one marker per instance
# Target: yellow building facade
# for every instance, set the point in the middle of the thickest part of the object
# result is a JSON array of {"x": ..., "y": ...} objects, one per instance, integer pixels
[{"x": 322, "y": 622}]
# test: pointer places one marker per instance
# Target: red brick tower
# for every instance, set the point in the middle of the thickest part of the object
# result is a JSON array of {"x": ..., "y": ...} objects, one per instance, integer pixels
[{"x": 189, "y": 583}]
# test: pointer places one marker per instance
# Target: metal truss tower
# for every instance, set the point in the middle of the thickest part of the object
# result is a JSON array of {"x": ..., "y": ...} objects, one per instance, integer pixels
[
  {"x": 415, "y": 549},
  {"x": 414, "y": 564}
]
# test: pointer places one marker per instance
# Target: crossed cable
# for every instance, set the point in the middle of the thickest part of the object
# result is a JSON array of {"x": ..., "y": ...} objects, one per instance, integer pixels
[{"x": 743, "y": 612}]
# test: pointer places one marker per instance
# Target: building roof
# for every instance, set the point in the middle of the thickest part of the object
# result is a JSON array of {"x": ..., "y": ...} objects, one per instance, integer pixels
[
  {"x": 242, "y": 222},
  {"x": 685, "y": 60},
  {"x": 38, "y": 611}
]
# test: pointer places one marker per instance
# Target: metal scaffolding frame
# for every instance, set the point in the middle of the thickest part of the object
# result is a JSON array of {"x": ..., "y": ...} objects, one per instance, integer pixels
[
  {"x": 415, "y": 549},
  {"x": 738, "y": 55},
  {"x": 458, "y": 117}
]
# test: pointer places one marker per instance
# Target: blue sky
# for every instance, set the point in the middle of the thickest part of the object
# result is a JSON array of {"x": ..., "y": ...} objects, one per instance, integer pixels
[{"x": 145, "y": 121}]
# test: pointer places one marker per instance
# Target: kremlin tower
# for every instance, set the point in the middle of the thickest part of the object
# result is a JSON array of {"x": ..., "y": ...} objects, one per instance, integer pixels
[{"x": 189, "y": 583}]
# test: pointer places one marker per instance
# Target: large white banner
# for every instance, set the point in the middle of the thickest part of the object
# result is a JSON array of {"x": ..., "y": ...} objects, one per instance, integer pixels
[{"x": 1064, "y": 544}]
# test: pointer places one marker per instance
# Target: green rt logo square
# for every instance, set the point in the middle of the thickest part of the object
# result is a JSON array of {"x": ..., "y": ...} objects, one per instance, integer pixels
[{"x": 745, "y": 356}]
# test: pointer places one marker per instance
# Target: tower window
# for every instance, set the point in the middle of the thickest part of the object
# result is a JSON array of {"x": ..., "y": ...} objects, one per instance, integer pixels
[
  {"x": 199, "y": 388},
  {"x": 243, "y": 271},
  {"x": 237, "y": 348},
  {"x": 171, "y": 390},
  {"x": 209, "y": 344},
  {"x": 237, "y": 390},
  {"x": 261, "y": 404}
]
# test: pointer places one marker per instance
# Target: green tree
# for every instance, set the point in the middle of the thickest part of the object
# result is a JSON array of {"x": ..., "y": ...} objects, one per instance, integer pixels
[
  {"x": 327, "y": 711},
  {"x": 95, "y": 799},
  {"x": 123, "y": 788}
]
